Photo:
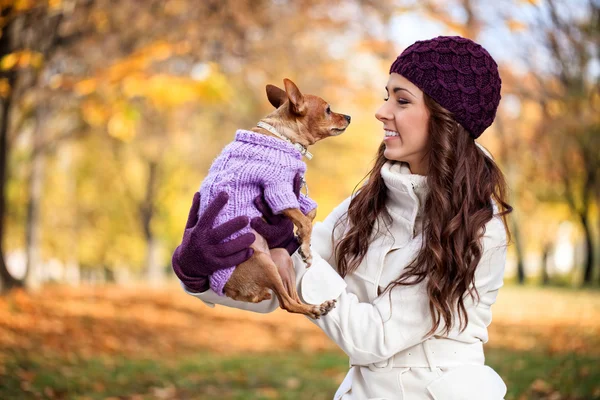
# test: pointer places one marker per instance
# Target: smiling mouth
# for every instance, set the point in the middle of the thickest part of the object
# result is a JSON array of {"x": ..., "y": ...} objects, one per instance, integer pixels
[{"x": 390, "y": 133}]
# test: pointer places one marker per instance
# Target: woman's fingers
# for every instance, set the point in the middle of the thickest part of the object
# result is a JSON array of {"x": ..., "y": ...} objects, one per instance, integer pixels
[
  {"x": 213, "y": 209},
  {"x": 228, "y": 228},
  {"x": 193, "y": 215},
  {"x": 263, "y": 207},
  {"x": 233, "y": 246},
  {"x": 262, "y": 227},
  {"x": 239, "y": 257}
]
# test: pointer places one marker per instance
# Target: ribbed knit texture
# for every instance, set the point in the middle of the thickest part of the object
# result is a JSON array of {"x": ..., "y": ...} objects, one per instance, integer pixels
[
  {"x": 245, "y": 165},
  {"x": 400, "y": 183},
  {"x": 458, "y": 74}
]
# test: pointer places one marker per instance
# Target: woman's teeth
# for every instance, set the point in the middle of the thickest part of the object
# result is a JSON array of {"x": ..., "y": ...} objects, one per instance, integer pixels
[{"x": 390, "y": 133}]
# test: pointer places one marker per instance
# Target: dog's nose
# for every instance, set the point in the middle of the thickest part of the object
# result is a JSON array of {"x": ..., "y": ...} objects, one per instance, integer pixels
[{"x": 348, "y": 118}]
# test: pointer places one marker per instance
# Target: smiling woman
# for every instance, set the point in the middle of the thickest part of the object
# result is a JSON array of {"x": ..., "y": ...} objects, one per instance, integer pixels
[
  {"x": 405, "y": 123},
  {"x": 415, "y": 258}
]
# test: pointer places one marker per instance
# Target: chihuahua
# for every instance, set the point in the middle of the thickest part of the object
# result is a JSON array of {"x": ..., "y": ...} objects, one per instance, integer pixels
[{"x": 265, "y": 160}]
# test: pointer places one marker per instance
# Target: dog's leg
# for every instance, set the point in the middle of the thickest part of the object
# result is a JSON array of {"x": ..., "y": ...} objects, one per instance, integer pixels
[
  {"x": 285, "y": 265},
  {"x": 304, "y": 225},
  {"x": 312, "y": 214},
  {"x": 260, "y": 273},
  {"x": 287, "y": 273}
]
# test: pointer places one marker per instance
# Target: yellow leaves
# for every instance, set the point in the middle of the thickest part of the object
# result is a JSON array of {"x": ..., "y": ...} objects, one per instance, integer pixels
[
  {"x": 175, "y": 7},
  {"x": 120, "y": 118},
  {"x": 85, "y": 87},
  {"x": 160, "y": 51},
  {"x": 140, "y": 60},
  {"x": 515, "y": 26},
  {"x": 94, "y": 113},
  {"x": 555, "y": 108},
  {"x": 23, "y": 5},
  {"x": 5, "y": 88},
  {"x": 165, "y": 91},
  {"x": 169, "y": 91},
  {"x": 55, "y": 4},
  {"x": 21, "y": 59},
  {"x": 162, "y": 90},
  {"x": 9, "y": 61},
  {"x": 100, "y": 20},
  {"x": 134, "y": 85},
  {"x": 121, "y": 126}
]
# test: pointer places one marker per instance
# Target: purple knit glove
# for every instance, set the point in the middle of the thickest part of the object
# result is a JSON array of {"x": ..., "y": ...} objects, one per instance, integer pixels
[
  {"x": 201, "y": 251},
  {"x": 278, "y": 230}
]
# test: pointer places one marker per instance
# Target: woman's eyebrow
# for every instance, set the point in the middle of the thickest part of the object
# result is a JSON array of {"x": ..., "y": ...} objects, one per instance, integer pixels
[{"x": 397, "y": 89}]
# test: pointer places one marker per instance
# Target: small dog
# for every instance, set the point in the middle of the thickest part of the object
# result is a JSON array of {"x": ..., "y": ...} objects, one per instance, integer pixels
[{"x": 265, "y": 160}]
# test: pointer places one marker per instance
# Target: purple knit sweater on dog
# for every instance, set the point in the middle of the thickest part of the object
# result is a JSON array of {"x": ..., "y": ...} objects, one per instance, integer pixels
[{"x": 245, "y": 165}]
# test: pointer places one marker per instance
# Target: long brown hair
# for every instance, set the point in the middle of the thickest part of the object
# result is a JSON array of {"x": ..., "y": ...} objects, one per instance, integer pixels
[{"x": 462, "y": 182}]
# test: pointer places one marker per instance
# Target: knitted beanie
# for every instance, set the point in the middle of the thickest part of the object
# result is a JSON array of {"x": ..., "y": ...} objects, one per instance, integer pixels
[{"x": 458, "y": 74}]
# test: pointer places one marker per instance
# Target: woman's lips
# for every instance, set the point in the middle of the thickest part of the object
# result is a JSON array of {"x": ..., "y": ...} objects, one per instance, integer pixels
[{"x": 387, "y": 136}]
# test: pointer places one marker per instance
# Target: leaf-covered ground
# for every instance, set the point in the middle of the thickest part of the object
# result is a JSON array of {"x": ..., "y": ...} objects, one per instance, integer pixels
[{"x": 139, "y": 343}]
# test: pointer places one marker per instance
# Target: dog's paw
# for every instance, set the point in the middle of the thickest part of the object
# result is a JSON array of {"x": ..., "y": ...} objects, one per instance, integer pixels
[
  {"x": 315, "y": 312},
  {"x": 306, "y": 255},
  {"x": 327, "y": 306}
]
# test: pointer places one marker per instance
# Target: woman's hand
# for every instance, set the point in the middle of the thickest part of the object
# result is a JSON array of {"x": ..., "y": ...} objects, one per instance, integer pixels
[
  {"x": 278, "y": 230},
  {"x": 201, "y": 252}
]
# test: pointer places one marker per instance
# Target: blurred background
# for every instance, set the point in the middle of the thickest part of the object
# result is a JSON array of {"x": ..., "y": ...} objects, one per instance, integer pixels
[{"x": 111, "y": 113}]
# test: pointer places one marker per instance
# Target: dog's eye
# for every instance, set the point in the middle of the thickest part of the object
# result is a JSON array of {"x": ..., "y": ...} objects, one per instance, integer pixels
[{"x": 328, "y": 110}]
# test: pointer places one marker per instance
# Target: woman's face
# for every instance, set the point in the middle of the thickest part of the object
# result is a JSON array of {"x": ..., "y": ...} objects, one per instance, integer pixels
[{"x": 405, "y": 124}]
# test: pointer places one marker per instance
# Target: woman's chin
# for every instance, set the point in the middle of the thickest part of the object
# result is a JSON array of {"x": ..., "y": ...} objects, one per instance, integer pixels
[{"x": 392, "y": 154}]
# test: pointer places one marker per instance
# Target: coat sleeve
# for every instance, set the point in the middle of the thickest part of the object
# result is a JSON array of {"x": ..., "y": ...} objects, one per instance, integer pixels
[
  {"x": 400, "y": 318},
  {"x": 322, "y": 246}
]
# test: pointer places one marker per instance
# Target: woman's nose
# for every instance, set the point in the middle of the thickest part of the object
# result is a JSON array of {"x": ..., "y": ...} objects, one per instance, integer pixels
[{"x": 383, "y": 114}]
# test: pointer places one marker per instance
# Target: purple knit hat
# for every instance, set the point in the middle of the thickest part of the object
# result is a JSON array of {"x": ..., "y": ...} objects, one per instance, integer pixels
[{"x": 458, "y": 74}]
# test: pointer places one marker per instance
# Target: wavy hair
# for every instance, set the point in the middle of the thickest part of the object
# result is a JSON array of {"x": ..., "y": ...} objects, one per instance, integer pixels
[{"x": 462, "y": 182}]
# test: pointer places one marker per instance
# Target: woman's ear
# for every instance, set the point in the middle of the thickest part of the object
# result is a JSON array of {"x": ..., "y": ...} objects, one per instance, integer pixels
[
  {"x": 297, "y": 103},
  {"x": 276, "y": 96}
]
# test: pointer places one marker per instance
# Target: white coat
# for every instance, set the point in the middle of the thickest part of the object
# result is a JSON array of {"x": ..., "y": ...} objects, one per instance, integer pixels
[{"x": 383, "y": 334}]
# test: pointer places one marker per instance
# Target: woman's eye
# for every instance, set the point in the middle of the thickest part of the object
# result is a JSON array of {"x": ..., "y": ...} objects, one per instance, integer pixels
[{"x": 403, "y": 102}]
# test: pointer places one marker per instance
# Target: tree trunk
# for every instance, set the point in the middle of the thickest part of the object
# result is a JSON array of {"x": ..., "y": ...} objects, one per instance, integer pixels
[
  {"x": 33, "y": 222},
  {"x": 544, "y": 267},
  {"x": 153, "y": 270},
  {"x": 589, "y": 251},
  {"x": 516, "y": 234},
  {"x": 72, "y": 270},
  {"x": 14, "y": 36},
  {"x": 598, "y": 223},
  {"x": 6, "y": 47}
]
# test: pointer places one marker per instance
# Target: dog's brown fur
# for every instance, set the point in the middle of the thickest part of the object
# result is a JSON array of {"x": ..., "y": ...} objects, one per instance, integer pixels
[{"x": 303, "y": 119}]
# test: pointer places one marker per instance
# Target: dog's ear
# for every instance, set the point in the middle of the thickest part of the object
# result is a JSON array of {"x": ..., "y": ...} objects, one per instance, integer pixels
[
  {"x": 297, "y": 103},
  {"x": 276, "y": 96}
]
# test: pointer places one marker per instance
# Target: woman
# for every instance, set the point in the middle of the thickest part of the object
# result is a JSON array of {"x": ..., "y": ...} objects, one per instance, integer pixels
[{"x": 416, "y": 257}]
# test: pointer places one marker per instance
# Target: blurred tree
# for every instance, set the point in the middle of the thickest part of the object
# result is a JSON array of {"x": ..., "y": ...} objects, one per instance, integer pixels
[
  {"x": 139, "y": 74},
  {"x": 567, "y": 140},
  {"x": 28, "y": 35}
]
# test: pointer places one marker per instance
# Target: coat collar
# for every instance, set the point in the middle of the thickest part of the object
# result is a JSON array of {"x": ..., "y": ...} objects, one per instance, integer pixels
[{"x": 406, "y": 196}]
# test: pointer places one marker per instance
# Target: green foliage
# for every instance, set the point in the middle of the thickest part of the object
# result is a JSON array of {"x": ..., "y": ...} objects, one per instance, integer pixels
[{"x": 531, "y": 375}]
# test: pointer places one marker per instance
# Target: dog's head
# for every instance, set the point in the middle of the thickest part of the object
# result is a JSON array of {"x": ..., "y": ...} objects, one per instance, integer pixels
[{"x": 307, "y": 117}]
